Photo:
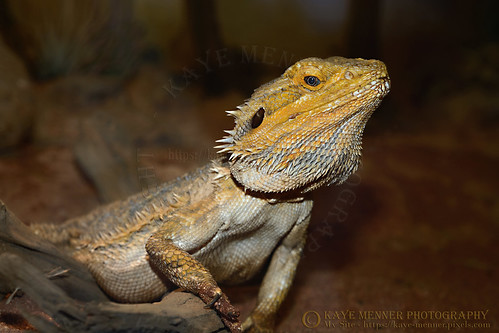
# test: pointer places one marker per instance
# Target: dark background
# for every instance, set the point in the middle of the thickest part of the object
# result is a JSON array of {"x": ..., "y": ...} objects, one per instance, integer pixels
[{"x": 100, "y": 99}]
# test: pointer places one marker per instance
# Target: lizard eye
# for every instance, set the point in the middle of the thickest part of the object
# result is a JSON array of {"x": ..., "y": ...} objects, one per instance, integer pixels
[
  {"x": 312, "y": 81},
  {"x": 257, "y": 118}
]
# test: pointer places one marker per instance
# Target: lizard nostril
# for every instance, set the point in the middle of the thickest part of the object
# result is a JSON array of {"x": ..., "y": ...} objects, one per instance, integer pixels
[{"x": 348, "y": 75}]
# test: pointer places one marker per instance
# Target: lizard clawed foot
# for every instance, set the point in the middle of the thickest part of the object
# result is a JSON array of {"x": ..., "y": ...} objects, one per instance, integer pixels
[{"x": 214, "y": 297}]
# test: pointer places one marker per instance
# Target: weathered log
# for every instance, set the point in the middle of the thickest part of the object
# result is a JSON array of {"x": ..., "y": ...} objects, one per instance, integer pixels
[{"x": 66, "y": 292}]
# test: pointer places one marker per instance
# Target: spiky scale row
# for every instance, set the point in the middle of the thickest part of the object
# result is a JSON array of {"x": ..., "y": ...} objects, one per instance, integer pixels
[{"x": 233, "y": 113}]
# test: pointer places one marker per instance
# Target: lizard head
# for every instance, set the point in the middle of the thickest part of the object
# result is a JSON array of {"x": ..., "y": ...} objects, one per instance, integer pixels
[{"x": 304, "y": 129}]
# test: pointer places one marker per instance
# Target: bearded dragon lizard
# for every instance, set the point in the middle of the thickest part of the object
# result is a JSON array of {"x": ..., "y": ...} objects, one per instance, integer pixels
[{"x": 223, "y": 222}]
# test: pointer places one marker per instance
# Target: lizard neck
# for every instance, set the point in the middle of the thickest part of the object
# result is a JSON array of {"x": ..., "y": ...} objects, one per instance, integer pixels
[{"x": 224, "y": 180}]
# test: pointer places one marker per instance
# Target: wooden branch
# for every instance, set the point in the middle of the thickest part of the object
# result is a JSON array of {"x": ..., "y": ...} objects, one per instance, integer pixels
[{"x": 72, "y": 300}]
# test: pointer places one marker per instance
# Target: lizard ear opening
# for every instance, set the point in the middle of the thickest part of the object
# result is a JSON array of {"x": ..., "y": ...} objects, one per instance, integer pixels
[{"x": 257, "y": 118}]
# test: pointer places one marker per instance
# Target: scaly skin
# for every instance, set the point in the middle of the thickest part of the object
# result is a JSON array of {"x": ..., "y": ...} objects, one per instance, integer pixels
[{"x": 222, "y": 222}]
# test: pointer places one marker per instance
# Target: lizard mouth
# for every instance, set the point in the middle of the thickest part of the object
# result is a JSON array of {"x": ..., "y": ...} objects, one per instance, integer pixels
[{"x": 386, "y": 85}]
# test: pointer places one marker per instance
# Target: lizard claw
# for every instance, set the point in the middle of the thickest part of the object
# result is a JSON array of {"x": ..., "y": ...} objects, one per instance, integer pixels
[
  {"x": 213, "y": 301},
  {"x": 228, "y": 313},
  {"x": 215, "y": 298},
  {"x": 226, "y": 309}
]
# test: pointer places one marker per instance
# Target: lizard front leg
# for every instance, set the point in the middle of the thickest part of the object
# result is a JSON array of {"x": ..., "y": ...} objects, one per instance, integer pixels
[
  {"x": 277, "y": 280},
  {"x": 188, "y": 273}
]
